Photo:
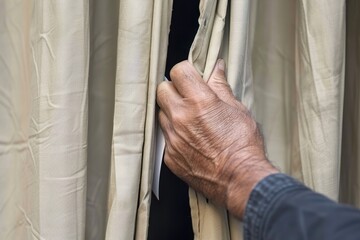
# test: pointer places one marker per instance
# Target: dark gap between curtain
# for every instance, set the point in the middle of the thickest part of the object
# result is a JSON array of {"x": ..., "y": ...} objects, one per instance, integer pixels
[{"x": 170, "y": 217}]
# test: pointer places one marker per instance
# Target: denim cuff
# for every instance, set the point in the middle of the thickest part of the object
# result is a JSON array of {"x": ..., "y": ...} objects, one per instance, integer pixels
[{"x": 261, "y": 202}]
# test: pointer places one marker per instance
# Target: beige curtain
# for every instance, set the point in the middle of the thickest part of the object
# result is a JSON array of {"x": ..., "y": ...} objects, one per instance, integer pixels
[
  {"x": 141, "y": 56},
  {"x": 298, "y": 70},
  {"x": 77, "y": 106},
  {"x": 43, "y": 118},
  {"x": 286, "y": 62},
  {"x": 57, "y": 145}
]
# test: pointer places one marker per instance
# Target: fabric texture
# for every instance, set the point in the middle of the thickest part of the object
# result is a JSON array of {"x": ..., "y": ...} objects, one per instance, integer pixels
[
  {"x": 43, "y": 111},
  {"x": 77, "y": 106},
  {"x": 140, "y": 67},
  {"x": 298, "y": 87},
  {"x": 290, "y": 74},
  {"x": 102, "y": 70},
  {"x": 52, "y": 173}
]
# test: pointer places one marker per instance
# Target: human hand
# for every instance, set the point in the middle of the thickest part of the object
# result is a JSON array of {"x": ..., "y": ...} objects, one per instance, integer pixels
[{"x": 212, "y": 142}]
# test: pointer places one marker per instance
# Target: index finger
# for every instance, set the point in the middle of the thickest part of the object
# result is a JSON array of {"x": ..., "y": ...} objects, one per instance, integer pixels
[
  {"x": 188, "y": 81},
  {"x": 167, "y": 97}
]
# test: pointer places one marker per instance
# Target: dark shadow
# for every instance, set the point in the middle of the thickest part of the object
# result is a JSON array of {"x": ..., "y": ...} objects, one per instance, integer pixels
[{"x": 170, "y": 217}]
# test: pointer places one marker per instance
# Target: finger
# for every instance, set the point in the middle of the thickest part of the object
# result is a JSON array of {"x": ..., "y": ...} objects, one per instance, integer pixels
[
  {"x": 165, "y": 125},
  {"x": 167, "y": 97},
  {"x": 176, "y": 164},
  {"x": 217, "y": 82},
  {"x": 188, "y": 81}
]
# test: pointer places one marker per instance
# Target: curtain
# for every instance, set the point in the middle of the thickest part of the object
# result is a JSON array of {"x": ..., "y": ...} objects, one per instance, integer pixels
[
  {"x": 77, "y": 106},
  {"x": 43, "y": 112},
  {"x": 77, "y": 102},
  {"x": 350, "y": 157},
  {"x": 286, "y": 63}
]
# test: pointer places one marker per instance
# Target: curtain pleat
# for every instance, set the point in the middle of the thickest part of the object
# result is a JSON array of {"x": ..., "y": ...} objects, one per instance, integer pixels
[
  {"x": 132, "y": 71},
  {"x": 77, "y": 106},
  {"x": 273, "y": 69},
  {"x": 44, "y": 73},
  {"x": 140, "y": 67},
  {"x": 158, "y": 52},
  {"x": 19, "y": 171},
  {"x": 290, "y": 74},
  {"x": 350, "y": 161},
  {"x": 103, "y": 44},
  {"x": 319, "y": 83},
  {"x": 298, "y": 69}
]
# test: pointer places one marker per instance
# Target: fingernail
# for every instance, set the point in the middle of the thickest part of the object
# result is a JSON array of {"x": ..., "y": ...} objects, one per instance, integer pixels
[{"x": 221, "y": 64}]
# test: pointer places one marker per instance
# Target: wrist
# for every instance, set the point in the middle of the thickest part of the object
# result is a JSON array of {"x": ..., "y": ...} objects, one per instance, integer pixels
[{"x": 243, "y": 180}]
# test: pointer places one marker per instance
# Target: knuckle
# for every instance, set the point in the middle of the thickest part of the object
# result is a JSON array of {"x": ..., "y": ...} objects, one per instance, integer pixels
[
  {"x": 251, "y": 129},
  {"x": 202, "y": 101},
  {"x": 242, "y": 107},
  {"x": 210, "y": 104},
  {"x": 249, "y": 122},
  {"x": 164, "y": 123},
  {"x": 220, "y": 79},
  {"x": 253, "y": 126},
  {"x": 207, "y": 96},
  {"x": 178, "y": 116},
  {"x": 161, "y": 90},
  {"x": 162, "y": 117},
  {"x": 177, "y": 70}
]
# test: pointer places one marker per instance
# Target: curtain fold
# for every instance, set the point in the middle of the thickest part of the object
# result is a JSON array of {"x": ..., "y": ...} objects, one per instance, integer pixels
[
  {"x": 15, "y": 116},
  {"x": 158, "y": 52},
  {"x": 44, "y": 73},
  {"x": 298, "y": 69},
  {"x": 320, "y": 61},
  {"x": 290, "y": 74},
  {"x": 141, "y": 54},
  {"x": 102, "y": 69},
  {"x": 77, "y": 106},
  {"x": 350, "y": 161}
]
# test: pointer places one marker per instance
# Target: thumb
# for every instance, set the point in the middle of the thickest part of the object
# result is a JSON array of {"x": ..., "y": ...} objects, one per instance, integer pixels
[{"x": 217, "y": 82}]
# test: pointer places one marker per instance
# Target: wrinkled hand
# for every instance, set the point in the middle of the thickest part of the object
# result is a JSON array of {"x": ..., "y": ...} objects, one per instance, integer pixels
[{"x": 212, "y": 142}]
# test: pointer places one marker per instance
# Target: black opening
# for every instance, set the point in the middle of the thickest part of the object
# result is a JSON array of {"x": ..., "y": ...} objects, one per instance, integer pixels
[{"x": 170, "y": 217}]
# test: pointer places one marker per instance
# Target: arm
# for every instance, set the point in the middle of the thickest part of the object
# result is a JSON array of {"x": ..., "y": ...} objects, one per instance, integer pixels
[
  {"x": 282, "y": 208},
  {"x": 214, "y": 145}
]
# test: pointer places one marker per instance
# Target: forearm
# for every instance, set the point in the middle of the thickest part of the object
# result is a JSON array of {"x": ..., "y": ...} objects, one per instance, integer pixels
[
  {"x": 245, "y": 176},
  {"x": 281, "y": 208}
]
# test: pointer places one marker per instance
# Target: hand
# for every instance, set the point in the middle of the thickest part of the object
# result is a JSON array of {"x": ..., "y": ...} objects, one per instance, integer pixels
[{"x": 212, "y": 142}]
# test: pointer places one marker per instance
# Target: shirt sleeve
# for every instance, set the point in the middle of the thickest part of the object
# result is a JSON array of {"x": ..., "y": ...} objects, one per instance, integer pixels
[{"x": 281, "y": 208}]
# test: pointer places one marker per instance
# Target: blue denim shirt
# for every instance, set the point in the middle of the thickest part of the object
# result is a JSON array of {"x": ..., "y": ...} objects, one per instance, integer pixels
[
  {"x": 262, "y": 197},
  {"x": 281, "y": 208}
]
